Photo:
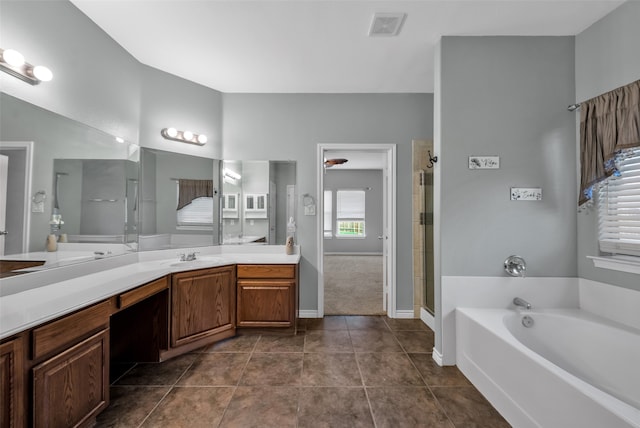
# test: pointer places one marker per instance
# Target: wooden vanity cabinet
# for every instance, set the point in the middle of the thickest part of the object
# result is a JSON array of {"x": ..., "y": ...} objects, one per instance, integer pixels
[
  {"x": 267, "y": 295},
  {"x": 202, "y": 306},
  {"x": 12, "y": 400},
  {"x": 71, "y": 388},
  {"x": 70, "y": 368}
]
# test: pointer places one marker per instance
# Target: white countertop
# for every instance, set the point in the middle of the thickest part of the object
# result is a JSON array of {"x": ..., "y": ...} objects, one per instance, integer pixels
[{"x": 30, "y": 300}]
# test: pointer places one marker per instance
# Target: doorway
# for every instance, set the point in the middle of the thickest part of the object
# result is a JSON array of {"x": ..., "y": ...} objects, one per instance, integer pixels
[
  {"x": 19, "y": 156},
  {"x": 351, "y": 245}
]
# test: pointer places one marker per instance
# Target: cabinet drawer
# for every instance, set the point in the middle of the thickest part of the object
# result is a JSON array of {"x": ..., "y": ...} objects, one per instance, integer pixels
[
  {"x": 137, "y": 295},
  {"x": 68, "y": 330},
  {"x": 266, "y": 271},
  {"x": 266, "y": 303}
]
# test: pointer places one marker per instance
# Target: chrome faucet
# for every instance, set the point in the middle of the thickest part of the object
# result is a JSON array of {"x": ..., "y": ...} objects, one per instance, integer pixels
[
  {"x": 189, "y": 257},
  {"x": 521, "y": 302}
]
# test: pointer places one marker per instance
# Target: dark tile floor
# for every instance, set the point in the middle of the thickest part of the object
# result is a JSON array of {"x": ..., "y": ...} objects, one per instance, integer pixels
[{"x": 340, "y": 371}]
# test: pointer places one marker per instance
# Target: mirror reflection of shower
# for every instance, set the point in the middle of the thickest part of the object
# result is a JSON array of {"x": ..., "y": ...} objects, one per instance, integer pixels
[{"x": 55, "y": 224}]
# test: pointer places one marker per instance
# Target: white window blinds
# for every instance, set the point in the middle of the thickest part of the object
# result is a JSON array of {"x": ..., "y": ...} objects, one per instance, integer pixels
[
  {"x": 198, "y": 212},
  {"x": 350, "y": 204},
  {"x": 619, "y": 209}
]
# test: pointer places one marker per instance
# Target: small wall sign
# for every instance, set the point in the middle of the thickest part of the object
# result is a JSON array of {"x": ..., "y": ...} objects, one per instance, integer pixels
[
  {"x": 484, "y": 162},
  {"x": 526, "y": 194}
]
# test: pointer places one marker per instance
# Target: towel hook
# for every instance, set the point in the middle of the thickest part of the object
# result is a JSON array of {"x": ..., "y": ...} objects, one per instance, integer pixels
[{"x": 432, "y": 160}]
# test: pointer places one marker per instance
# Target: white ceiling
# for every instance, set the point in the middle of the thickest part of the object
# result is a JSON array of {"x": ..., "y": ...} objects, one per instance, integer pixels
[{"x": 318, "y": 46}]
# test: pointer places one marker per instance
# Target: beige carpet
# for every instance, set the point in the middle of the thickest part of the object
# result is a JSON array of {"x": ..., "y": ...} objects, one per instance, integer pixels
[{"x": 352, "y": 285}]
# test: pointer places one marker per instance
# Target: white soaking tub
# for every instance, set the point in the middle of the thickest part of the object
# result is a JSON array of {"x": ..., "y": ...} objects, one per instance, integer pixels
[{"x": 568, "y": 369}]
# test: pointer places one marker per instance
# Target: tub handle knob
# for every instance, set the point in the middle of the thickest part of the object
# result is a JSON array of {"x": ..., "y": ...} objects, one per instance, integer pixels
[{"x": 515, "y": 266}]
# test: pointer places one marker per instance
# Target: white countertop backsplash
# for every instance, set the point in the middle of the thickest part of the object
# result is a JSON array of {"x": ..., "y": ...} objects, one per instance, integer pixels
[{"x": 32, "y": 299}]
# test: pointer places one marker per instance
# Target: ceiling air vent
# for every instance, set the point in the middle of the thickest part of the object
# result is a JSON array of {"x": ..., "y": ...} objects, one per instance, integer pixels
[{"x": 386, "y": 24}]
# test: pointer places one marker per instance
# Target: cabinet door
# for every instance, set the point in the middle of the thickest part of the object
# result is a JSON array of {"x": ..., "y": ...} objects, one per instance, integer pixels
[
  {"x": 72, "y": 387},
  {"x": 11, "y": 384},
  {"x": 202, "y": 304},
  {"x": 266, "y": 302}
]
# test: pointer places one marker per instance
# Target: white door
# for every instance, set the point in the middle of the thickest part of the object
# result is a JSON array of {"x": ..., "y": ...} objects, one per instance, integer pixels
[
  {"x": 4, "y": 169},
  {"x": 385, "y": 237}
]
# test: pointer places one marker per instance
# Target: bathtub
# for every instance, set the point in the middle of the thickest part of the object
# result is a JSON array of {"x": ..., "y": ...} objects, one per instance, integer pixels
[{"x": 569, "y": 369}]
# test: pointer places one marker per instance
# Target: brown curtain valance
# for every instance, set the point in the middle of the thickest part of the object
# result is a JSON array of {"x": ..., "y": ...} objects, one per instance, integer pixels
[
  {"x": 609, "y": 124},
  {"x": 192, "y": 189}
]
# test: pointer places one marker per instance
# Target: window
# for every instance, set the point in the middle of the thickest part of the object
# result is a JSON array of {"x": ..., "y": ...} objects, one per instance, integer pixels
[
  {"x": 619, "y": 209},
  {"x": 198, "y": 213},
  {"x": 350, "y": 214},
  {"x": 328, "y": 214}
]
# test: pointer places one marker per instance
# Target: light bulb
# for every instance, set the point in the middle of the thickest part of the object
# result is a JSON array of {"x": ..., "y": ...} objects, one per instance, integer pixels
[
  {"x": 119, "y": 140},
  {"x": 13, "y": 58},
  {"x": 172, "y": 132},
  {"x": 202, "y": 138},
  {"x": 42, "y": 73},
  {"x": 187, "y": 135}
]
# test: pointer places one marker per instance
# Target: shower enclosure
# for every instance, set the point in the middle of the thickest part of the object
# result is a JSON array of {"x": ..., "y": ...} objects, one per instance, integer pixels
[{"x": 423, "y": 278}]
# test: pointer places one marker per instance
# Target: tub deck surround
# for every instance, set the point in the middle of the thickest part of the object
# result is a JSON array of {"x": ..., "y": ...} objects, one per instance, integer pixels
[
  {"x": 29, "y": 300},
  {"x": 496, "y": 292},
  {"x": 531, "y": 391}
]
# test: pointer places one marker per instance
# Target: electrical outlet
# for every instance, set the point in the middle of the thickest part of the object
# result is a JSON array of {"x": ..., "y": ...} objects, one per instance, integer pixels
[{"x": 310, "y": 210}]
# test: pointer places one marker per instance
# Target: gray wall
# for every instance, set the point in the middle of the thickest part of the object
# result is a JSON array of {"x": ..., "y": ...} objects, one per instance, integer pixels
[
  {"x": 357, "y": 179},
  {"x": 169, "y": 101},
  {"x": 290, "y": 126},
  {"x": 95, "y": 81},
  {"x": 507, "y": 96},
  {"x": 606, "y": 58}
]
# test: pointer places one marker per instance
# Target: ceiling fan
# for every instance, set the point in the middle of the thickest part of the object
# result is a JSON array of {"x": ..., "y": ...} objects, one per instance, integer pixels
[{"x": 328, "y": 163}]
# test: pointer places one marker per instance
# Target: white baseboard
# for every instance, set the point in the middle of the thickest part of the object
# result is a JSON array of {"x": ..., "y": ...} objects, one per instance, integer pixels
[
  {"x": 437, "y": 357},
  {"x": 406, "y": 314},
  {"x": 308, "y": 313},
  {"x": 428, "y": 319}
]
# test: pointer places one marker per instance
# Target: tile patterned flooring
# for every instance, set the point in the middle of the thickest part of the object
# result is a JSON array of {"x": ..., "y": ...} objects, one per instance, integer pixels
[{"x": 340, "y": 371}]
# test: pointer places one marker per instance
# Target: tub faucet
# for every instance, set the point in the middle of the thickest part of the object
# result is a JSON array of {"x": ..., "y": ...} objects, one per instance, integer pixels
[{"x": 522, "y": 303}]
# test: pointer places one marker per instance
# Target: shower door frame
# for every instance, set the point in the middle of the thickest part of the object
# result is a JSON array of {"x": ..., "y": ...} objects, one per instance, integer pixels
[{"x": 389, "y": 198}]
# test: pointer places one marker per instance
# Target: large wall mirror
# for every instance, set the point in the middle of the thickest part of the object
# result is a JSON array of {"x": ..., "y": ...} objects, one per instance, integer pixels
[
  {"x": 66, "y": 178},
  {"x": 179, "y": 200},
  {"x": 104, "y": 197},
  {"x": 258, "y": 199}
]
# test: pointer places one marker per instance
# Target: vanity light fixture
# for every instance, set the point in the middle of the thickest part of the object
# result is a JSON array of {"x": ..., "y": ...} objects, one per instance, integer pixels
[
  {"x": 231, "y": 174},
  {"x": 184, "y": 136},
  {"x": 13, "y": 63}
]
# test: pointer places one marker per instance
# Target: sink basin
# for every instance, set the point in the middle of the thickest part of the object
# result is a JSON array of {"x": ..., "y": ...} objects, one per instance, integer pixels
[{"x": 200, "y": 262}]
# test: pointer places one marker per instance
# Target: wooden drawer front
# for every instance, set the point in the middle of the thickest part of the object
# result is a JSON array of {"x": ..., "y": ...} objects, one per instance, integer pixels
[
  {"x": 137, "y": 295},
  {"x": 264, "y": 303},
  {"x": 72, "y": 387},
  {"x": 266, "y": 271},
  {"x": 68, "y": 330}
]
